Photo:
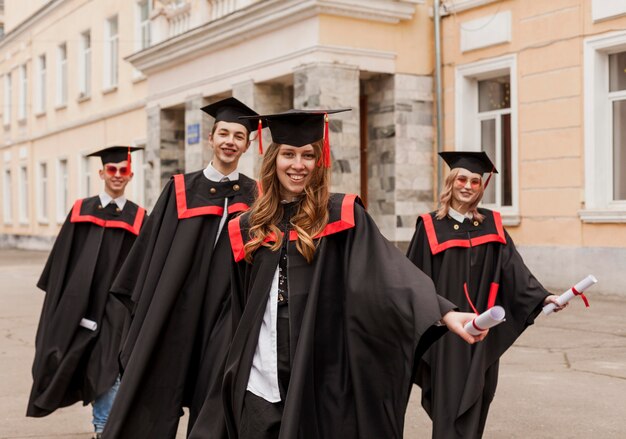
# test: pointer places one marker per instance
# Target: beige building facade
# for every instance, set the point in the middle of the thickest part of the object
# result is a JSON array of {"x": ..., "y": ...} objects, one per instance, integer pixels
[
  {"x": 541, "y": 85},
  {"x": 65, "y": 92},
  {"x": 536, "y": 84}
]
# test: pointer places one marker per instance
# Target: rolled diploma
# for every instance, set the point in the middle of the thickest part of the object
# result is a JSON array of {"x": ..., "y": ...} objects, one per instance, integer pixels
[
  {"x": 89, "y": 324},
  {"x": 490, "y": 318},
  {"x": 569, "y": 294}
]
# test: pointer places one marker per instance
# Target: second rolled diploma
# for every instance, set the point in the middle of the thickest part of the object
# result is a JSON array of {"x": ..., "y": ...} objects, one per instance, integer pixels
[
  {"x": 490, "y": 318},
  {"x": 576, "y": 290}
]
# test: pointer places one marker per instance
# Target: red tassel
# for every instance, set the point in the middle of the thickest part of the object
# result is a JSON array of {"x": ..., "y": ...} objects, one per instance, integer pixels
[
  {"x": 325, "y": 159},
  {"x": 260, "y": 136},
  {"x": 487, "y": 182},
  {"x": 129, "y": 163}
]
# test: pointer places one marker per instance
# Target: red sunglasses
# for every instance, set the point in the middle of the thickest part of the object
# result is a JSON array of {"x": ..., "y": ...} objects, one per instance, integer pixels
[
  {"x": 112, "y": 170},
  {"x": 462, "y": 180}
]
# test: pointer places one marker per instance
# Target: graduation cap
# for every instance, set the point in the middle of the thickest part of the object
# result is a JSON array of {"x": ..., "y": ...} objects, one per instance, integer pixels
[
  {"x": 231, "y": 110},
  {"x": 302, "y": 127},
  {"x": 477, "y": 162},
  {"x": 114, "y": 154}
]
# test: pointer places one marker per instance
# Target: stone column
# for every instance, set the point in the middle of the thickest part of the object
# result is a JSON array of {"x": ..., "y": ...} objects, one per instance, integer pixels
[
  {"x": 400, "y": 152},
  {"x": 172, "y": 131},
  {"x": 264, "y": 99},
  {"x": 152, "y": 176},
  {"x": 414, "y": 151},
  {"x": 197, "y": 128},
  {"x": 334, "y": 86}
]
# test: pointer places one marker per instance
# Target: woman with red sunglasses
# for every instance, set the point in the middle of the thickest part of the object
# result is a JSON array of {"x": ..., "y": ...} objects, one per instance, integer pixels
[{"x": 474, "y": 264}]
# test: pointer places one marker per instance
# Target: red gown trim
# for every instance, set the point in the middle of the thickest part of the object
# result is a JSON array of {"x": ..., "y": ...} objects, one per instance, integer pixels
[
  {"x": 493, "y": 293},
  {"x": 345, "y": 222},
  {"x": 437, "y": 247},
  {"x": 187, "y": 212},
  {"x": 76, "y": 217}
]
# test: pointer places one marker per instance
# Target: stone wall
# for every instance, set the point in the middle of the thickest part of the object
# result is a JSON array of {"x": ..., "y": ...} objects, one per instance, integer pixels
[
  {"x": 400, "y": 151},
  {"x": 335, "y": 86},
  {"x": 196, "y": 119}
]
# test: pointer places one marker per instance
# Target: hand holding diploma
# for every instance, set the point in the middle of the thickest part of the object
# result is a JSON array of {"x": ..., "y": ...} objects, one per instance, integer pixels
[
  {"x": 490, "y": 318},
  {"x": 576, "y": 290},
  {"x": 455, "y": 321}
]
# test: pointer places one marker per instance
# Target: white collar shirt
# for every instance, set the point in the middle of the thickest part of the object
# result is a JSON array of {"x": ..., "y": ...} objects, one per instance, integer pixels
[
  {"x": 263, "y": 381},
  {"x": 105, "y": 199},
  {"x": 458, "y": 216}
]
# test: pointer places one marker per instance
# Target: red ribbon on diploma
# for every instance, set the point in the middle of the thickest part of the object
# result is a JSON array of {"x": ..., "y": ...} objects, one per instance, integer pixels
[
  {"x": 478, "y": 328},
  {"x": 582, "y": 296}
]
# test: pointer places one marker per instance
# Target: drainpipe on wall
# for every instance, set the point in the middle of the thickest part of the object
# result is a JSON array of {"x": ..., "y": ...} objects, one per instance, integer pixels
[{"x": 438, "y": 95}]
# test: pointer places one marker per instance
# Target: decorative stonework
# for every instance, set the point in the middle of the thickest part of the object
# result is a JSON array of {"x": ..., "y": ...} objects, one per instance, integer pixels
[{"x": 260, "y": 18}]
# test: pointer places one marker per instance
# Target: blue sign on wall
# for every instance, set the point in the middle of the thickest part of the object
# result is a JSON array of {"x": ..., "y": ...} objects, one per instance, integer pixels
[{"x": 193, "y": 133}]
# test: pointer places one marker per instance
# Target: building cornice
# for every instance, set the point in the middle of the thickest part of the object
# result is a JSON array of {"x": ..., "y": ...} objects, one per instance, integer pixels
[
  {"x": 260, "y": 18},
  {"x": 385, "y": 64},
  {"x": 455, "y": 6},
  {"x": 33, "y": 19}
]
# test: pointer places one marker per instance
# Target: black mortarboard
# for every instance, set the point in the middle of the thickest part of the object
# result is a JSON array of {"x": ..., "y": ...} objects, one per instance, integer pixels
[
  {"x": 477, "y": 162},
  {"x": 231, "y": 110},
  {"x": 114, "y": 154},
  {"x": 301, "y": 127}
]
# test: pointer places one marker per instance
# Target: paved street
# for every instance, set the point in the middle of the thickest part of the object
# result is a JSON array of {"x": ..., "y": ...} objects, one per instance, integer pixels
[{"x": 565, "y": 378}]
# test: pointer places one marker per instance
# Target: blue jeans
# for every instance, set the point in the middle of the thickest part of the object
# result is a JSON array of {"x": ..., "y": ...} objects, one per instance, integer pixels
[{"x": 102, "y": 406}]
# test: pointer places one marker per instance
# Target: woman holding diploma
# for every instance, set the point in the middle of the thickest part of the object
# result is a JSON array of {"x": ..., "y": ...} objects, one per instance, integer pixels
[
  {"x": 473, "y": 263},
  {"x": 330, "y": 316}
]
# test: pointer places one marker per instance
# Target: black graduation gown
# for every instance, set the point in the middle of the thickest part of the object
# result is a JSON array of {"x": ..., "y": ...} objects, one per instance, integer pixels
[
  {"x": 458, "y": 380},
  {"x": 177, "y": 279},
  {"x": 73, "y": 363},
  {"x": 360, "y": 314}
]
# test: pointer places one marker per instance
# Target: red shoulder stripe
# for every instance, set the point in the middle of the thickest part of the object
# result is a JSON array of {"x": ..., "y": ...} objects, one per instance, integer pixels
[
  {"x": 181, "y": 202},
  {"x": 436, "y": 247},
  {"x": 134, "y": 228},
  {"x": 236, "y": 239},
  {"x": 185, "y": 212},
  {"x": 237, "y": 207},
  {"x": 344, "y": 223}
]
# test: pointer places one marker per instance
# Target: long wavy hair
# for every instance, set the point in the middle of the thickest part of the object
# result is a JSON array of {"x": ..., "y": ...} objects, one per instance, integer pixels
[
  {"x": 445, "y": 198},
  {"x": 267, "y": 211}
]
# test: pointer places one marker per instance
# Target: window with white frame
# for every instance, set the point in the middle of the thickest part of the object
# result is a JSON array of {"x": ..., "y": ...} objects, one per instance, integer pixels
[
  {"x": 143, "y": 24},
  {"x": 23, "y": 195},
  {"x": 605, "y": 128},
  {"x": 23, "y": 93},
  {"x": 61, "y": 83},
  {"x": 617, "y": 97},
  {"x": 84, "y": 65},
  {"x": 8, "y": 98},
  {"x": 62, "y": 198},
  {"x": 111, "y": 48},
  {"x": 40, "y": 81},
  {"x": 84, "y": 176},
  {"x": 42, "y": 192},
  {"x": 7, "y": 199},
  {"x": 486, "y": 120},
  {"x": 494, "y": 117}
]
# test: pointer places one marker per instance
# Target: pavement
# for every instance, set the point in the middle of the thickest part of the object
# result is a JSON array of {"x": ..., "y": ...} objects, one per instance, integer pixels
[{"x": 564, "y": 378}]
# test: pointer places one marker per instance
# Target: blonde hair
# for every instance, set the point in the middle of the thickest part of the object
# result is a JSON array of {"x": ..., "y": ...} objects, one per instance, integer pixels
[
  {"x": 445, "y": 198},
  {"x": 267, "y": 211}
]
